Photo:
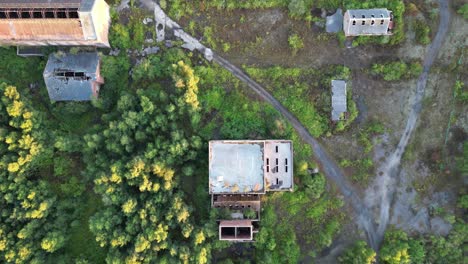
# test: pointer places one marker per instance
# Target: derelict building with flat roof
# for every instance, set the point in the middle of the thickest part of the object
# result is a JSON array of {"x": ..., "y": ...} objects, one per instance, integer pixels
[{"x": 240, "y": 172}]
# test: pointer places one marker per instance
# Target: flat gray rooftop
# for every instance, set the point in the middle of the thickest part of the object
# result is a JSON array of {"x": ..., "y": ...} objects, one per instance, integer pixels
[
  {"x": 236, "y": 167},
  {"x": 338, "y": 99},
  {"x": 279, "y": 165}
]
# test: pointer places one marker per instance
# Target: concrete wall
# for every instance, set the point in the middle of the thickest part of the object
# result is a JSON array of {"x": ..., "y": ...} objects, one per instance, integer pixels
[{"x": 367, "y": 29}]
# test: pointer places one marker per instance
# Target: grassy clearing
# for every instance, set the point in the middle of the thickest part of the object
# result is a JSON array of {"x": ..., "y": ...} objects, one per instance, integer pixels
[
  {"x": 82, "y": 243},
  {"x": 306, "y": 93}
]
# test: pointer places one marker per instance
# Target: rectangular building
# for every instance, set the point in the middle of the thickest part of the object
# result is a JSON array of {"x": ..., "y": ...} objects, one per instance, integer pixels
[
  {"x": 250, "y": 166},
  {"x": 240, "y": 172},
  {"x": 368, "y": 22},
  {"x": 338, "y": 102},
  {"x": 54, "y": 22},
  {"x": 73, "y": 77}
]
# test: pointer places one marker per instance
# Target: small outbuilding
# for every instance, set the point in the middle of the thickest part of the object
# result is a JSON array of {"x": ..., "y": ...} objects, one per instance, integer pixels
[
  {"x": 73, "y": 77},
  {"x": 368, "y": 22},
  {"x": 339, "y": 106}
]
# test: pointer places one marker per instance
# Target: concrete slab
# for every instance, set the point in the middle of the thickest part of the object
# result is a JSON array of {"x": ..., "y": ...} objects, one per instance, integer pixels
[{"x": 236, "y": 167}]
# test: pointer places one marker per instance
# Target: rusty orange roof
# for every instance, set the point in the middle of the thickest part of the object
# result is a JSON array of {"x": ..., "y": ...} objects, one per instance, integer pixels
[
  {"x": 231, "y": 223},
  {"x": 41, "y": 29},
  {"x": 40, "y": 3}
]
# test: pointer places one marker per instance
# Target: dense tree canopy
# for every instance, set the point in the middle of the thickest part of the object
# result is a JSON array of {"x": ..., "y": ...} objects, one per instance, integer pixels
[
  {"x": 359, "y": 253},
  {"x": 30, "y": 226},
  {"x": 137, "y": 159}
]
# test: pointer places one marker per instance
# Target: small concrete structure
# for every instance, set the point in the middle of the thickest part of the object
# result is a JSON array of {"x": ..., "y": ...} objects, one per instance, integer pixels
[
  {"x": 368, "y": 22},
  {"x": 236, "y": 230},
  {"x": 58, "y": 23},
  {"x": 73, "y": 77},
  {"x": 335, "y": 22},
  {"x": 339, "y": 106}
]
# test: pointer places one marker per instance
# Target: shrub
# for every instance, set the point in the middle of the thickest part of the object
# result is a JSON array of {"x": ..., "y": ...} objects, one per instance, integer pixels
[
  {"x": 397, "y": 70},
  {"x": 295, "y": 43},
  {"x": 422, "y": 31},
  {"x": 463, "y": 11}
]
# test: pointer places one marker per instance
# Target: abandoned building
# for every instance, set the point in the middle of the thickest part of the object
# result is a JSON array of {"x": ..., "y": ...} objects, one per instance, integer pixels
[
  {"x": 338, "y": 102},
  {"x": 240, "y": 172},
  {"x": 73, "y": 77},
  {"x": 370, "y": 22},
  {"x": 54, "y": 22}
]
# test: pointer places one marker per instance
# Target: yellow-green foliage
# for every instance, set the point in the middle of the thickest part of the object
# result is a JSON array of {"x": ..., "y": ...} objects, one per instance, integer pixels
[{"x": 360, "y": 252}]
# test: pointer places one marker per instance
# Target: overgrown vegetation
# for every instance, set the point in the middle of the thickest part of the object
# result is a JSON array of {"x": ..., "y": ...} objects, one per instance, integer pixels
[
  {"x": 360, "y": 252},
  {"x": 396, "y": 70},
  {"x": 399, "y": 247},
  {"x": 422, "y": 31},
  {"x": 463, "y": 11},
  {"x": 298, "y": 9},
  {"x": 362, "y": 168},
  {"x": 306, "y": 93}
]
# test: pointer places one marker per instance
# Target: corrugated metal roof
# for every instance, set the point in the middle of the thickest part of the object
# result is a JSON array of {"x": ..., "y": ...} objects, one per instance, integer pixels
[
  {"x": 41, "y": 29},
  {"x": 41, "y": 3},
  {"x": 338, "y": 99},
  {"x": 72, "y": 89}
]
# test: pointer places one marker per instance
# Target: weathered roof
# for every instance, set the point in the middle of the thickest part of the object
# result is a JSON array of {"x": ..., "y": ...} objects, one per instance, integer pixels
[
  {"x": 279, "y": 165},
  {"x": 41, "y": 29},
  {"x": 42, "y": 3},
  {"x": 250, "y": 166},
  {"x": 62, "y": 88},
  {"x": 235, "y": 223},
  {"x": 236, "y": 167},
  {"x": 338, "y": 99},
  {"x": 376, "y": 22},
  {"x": 368, "y": 13}
]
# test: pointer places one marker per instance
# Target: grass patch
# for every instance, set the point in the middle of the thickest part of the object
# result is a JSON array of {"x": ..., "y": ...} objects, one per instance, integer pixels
[{"x": 82, "y": 243}]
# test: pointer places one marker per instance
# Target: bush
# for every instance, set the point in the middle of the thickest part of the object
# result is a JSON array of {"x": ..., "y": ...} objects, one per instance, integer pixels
[
  {"x": 397, "y": 70},
  {"x": 295, "y": 43},
  {"x": 463, "y": 11},
  {"x": 422, "y": 31},
  {"x": 359, "y": 253}
]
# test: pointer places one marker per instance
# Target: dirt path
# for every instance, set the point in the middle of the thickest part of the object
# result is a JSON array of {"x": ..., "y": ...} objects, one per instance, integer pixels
[{"x": 385, "y": 185}]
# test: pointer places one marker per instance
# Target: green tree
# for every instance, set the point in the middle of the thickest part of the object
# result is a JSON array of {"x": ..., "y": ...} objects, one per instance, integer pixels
[
  {"x": 137, "y": 158},
  {"x": 359, "y": 253},
  {"x": 463, "y": 11}
]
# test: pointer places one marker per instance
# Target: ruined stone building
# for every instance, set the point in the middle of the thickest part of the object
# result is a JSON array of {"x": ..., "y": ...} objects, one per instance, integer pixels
[
  {"x": 370, "y": 22},
  {"x": 240, "y": 172},
  {"x": 54, "y": 22},
  {"x": 338, "y": 102},
  {"x": 73, "y": 77}
]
